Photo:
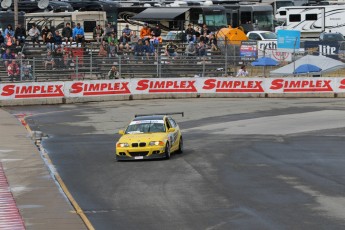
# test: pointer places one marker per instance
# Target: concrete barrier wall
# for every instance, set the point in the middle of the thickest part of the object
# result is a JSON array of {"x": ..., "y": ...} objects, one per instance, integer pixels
[{"x": 159, "y": 88}]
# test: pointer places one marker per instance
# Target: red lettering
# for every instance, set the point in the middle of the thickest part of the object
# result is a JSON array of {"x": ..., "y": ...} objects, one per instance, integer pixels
[
  {"x": 143, "y": 84},
  {"x": 8, "y": 90},
  {"x": 342, "y": 84},
  {"x": 210, "y": 84},
  {"x": 277, "y": 84},
  {"x": 77, "y": 87}
]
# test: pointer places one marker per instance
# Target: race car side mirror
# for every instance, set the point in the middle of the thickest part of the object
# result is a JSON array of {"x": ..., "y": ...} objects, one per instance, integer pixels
[
  {"x": 171, "y": 130},
  {"x": 121, "y": 132}
]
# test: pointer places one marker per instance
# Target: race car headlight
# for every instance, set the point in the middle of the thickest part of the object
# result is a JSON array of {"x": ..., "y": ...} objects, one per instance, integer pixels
[
  {"x": 121, "y": 145},
  {"x": 156, "y": 143}
]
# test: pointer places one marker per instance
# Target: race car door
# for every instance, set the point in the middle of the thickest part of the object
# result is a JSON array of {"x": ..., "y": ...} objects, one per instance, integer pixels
[{"x": 174, "y": 135}]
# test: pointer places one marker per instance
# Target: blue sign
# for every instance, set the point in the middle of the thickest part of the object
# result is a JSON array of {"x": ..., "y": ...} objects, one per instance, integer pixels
[{"x": 288, "y": 40}]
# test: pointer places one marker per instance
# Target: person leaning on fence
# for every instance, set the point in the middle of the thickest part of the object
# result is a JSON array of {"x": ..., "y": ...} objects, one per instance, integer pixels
[
  {"x": 67, "y": 33},
  {"x": 242, "y": 72},
  {"x": 34, "y": 33},
  {"x": 26, "y": 71},
  {"x": 113, "y": 73},
  {"x": 13, "y": 70}
]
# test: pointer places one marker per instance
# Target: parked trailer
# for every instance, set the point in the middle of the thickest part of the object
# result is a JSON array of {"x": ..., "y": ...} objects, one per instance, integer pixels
[{"x": 313, "y": 20}]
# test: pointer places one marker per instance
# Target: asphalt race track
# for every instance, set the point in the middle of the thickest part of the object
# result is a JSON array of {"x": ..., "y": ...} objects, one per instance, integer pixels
[{"x": 248, "y": 164}]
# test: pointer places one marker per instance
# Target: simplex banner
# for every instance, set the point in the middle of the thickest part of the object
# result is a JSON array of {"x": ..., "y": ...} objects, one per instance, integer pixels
[{"x": 11, "y": 91}]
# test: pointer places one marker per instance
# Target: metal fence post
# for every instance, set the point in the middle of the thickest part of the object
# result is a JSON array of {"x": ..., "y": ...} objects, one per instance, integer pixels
[
  {"x": 203, "y": 66},
  {"x": 120, "y": 70},
  {"x": 226, "y": 57},
  {"x": 76, "y": 67},
  {"x": 91, "y": 49},
  {"x": 34, "y": 69}
]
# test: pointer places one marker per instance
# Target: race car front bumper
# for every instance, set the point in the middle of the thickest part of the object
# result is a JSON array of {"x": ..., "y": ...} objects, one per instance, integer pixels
[{"x": 151, "y": 152}]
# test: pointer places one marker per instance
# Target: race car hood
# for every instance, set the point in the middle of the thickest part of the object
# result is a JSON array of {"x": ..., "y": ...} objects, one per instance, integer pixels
[{"x": 143, "y": 137}]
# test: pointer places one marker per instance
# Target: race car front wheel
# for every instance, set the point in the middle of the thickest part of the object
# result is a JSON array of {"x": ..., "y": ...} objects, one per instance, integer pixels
[
  {"x": 167, "y": 151},
  {"x": 180, "y": 145}
]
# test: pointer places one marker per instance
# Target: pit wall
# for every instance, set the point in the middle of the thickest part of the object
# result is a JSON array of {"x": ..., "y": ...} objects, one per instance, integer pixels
[{"x": 158, "y": 88}]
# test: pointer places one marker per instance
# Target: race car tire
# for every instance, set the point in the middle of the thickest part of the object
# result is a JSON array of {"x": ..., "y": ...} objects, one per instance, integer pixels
[
  {"x": 167, "y": 151},
  {"x": 180, "y": 145}
]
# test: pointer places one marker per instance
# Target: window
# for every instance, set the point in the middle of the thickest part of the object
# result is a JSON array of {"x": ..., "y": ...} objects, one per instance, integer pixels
[
  {"x": 282, "y": 13},
  {"x": 215, "y": 19},
  {"x": 311, "y": 17},
  {"x": 254, "y": 36},
  {"x": 295, "y": 18},
  {"x": 172, "y": 122},
  {"x": 89, "y": 26}
]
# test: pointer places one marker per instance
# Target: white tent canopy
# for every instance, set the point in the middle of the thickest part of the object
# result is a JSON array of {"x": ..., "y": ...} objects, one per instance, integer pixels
[{"x": 325, "y": 63}]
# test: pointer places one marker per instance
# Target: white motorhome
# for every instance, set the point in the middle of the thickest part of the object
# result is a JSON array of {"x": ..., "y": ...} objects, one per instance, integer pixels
[
  {"x": 312, "y": 20},
  {"x": 57, "y": 20}
]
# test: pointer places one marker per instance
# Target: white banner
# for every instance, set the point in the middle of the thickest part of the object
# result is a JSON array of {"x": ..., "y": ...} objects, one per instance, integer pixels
[{"x": 223, "y": 85}]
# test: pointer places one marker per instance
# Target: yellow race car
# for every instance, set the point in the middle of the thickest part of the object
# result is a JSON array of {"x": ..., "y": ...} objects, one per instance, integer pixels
[{"x": 149, "y": 137}]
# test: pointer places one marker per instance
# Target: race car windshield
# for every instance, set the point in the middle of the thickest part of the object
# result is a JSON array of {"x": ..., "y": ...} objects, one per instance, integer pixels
[{"x": 145, "y": 127}]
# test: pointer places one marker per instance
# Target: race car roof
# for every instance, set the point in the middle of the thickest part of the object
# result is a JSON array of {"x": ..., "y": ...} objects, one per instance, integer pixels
[{"x": 152, "y": 117}]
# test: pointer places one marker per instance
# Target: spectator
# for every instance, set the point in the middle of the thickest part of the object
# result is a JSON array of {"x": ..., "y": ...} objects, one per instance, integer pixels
[
  {"x": 69, "y": 59},
  {"x": 201, "y": 48},
  {"x": 26, "y": 71},
  {"x": 134, "y": 39},
  {"x": 109, "y": 29},
  {"x": 190, "y": 49},
  {"x": 204, "y": 30},
  {"x": 98, "y": 33},
  {"x": 149, "y": 49},
  {"x": 9, "y": 41},
  {"x": 57, "y": 39},
  {"x": 50, "y": 41},
  {"x": 170, "y": 49},
  {"x": 34, "y": 33},
  {"x": 20, "y": 35},
  {"x": 124, "y": 42},
  {"x": 103, "y": 49},
  {"x": 197, "y": 34},
  {"x": 190, "y": 32},
  {"x": 113, "y": 38},
  {"x": 78, "y": 35},
  {"x": 59, "y": 57},
  {"x": 67, "y": 33},
  {"x": 139, "y": 48},
  {"x": 204, "y": 38},
  {"x": 156, "y": 32},
  {"x": 145, "y": 32},
  {"x": 213, "y": 42},
  {"x": 127, "y": 32},
  {"x": 44, "y": 33},
  {"x": 112, "y": 49},
  {"x": 113, "y": 73},
  {"x": 242, "y": 72},
  {"x": 49, "y": 60},
  {"x": 7, "y": 57},
  {"x": 13, "y": 70},
  {"x": 9, "y": 30}
]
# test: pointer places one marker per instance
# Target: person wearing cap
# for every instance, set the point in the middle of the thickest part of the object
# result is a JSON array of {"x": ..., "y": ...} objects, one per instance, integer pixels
[
  {"x": 145, "y": 32},
  {"x": 170, "y": 49},
  {"x": 127, "y": 32},
  {"x": 190, "y": 32},
  {"x": 34, "y": 33}
]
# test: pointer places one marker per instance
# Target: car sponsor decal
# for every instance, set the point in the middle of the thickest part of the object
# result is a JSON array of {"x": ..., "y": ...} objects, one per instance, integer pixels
[{"x": 146, "y": 121}]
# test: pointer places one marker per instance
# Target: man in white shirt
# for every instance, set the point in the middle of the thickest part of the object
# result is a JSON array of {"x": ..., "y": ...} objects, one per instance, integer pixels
[
  {"x": 34, "y": 33},
  {"x": 242, "y": 72}
]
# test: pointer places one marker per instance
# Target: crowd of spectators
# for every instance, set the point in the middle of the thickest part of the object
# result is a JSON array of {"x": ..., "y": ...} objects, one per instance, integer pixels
[{"x": 142, "y": 46}]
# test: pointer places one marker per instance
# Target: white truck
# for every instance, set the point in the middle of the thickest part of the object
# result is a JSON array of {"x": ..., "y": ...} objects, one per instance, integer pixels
[{"x": 313, "y": 20}]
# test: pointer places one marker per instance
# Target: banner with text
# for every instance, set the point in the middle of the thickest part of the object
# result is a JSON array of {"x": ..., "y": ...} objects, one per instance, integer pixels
[{"x": 11, "y": 91}]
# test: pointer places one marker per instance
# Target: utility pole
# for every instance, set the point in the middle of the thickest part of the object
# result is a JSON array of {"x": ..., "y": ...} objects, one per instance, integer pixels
[{"x": 15, "y": 6}]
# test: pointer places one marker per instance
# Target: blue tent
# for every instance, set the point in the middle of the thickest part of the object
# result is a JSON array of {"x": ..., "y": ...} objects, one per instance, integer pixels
[
  {"x": 265, "y": 61},
  {"x": 307, "y": 68}
]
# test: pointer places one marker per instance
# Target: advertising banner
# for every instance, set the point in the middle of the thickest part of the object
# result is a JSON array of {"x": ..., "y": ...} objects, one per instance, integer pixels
[
  {"x": 288, "y": 40},
  {"x": 269, "y": 49},
  {"x": 31, "y": 90},
  {"x": 222, "y": 85},
  {"x": 248, "y": 50},
  {"x": 328, "y": 49}
]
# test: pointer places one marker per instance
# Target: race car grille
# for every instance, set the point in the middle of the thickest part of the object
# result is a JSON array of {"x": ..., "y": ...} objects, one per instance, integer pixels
[
  {"x": 138, "y": 154},
  {"x": 141, "y": 144}
]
